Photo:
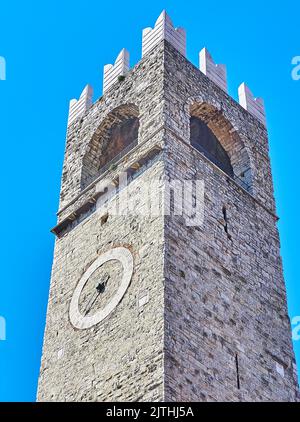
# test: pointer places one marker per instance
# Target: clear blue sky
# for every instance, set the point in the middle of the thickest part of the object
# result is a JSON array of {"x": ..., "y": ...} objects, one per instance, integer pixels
[{"x": 52, "y": 49}]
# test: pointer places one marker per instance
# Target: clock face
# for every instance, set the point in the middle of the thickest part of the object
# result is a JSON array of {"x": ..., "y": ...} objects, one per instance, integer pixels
[{"x": 101, "y": 288}]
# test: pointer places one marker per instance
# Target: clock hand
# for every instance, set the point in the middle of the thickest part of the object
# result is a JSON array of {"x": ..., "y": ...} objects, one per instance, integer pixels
[
  {"x": 99, "y": 289},
  {"x": 91, "y": 303}
]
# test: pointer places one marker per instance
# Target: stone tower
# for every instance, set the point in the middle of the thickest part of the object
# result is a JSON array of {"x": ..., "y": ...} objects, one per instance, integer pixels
[{"x": 167, "y": 280}]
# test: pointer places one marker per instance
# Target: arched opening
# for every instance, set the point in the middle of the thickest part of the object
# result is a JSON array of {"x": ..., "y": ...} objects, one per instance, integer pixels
[
  {"x": 215, "y": 137},
  {"x": 204, "y": 140},
  {"x": 120, "y": 136},
  {"x": 115, "y": 136}
]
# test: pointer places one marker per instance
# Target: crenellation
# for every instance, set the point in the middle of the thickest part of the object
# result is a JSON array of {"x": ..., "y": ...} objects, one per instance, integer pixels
[
  {"x": 255, "y": 106},
  {"x": 79, "y": 107},
  {"x": 216, "y": 72},
  {"x": 163, "y": 30},
  {"x": 111, "y": 73}
]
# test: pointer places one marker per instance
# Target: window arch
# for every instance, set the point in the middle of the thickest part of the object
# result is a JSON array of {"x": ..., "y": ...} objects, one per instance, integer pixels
[
  {"x": 120, "y": 135},
  {"x": 117, "y": 133},
  {"x": 203, "y": 139},
  {"x": 216, "y": 138}
]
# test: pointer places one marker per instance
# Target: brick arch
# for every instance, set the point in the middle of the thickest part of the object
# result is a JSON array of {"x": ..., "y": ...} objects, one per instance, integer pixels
[
  {"x": 228, "y": 137},
  {"x": 101, "y": 150}
]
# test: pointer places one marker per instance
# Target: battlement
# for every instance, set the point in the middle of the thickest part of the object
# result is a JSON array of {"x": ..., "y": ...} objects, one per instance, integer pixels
[
  {"x": 79, "y": 107},
  {"x": 164, "y": 30},
  {"x": 111, "y": 73},
  {"x": 255, "y": 106},
  {"x": 216, "y": 72}
]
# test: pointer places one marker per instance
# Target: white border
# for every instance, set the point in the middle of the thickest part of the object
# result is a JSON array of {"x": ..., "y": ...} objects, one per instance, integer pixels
[{"x": 120, "y": 254}]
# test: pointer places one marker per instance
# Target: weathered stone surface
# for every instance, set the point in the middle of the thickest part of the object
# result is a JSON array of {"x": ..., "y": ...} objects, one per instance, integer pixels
[
  {"x": 231, "y": 302},
  {"x": 205, "y": 316}
]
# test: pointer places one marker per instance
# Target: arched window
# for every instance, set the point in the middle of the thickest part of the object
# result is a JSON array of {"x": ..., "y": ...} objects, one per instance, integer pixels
[
  {"x": 204, "y": 140},
  {"x": 114, "y": 137},
  {"x": 119, "y": 136}
]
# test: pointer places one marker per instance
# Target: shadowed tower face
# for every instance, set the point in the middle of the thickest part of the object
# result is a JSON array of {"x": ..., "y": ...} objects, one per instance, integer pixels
[{"x": 167, "y": 280}]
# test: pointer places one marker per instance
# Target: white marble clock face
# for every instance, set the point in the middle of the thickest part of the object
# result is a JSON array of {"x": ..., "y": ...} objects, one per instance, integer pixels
[{"x": 101, "y": 288}]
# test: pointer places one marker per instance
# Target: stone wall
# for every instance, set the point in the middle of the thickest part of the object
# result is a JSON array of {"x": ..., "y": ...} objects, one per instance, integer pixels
[
  {"x": 122, "y": 357},
  {"x": 227, "y": 331}
]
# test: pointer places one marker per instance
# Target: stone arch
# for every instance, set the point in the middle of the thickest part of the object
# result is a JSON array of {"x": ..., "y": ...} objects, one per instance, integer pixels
[
  {"x": 228, "y": 137},
  {"x": 117, "y": 133}
]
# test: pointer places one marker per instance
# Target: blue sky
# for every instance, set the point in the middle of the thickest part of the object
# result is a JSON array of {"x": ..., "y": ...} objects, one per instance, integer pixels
[{"x": 52, "y": 49}]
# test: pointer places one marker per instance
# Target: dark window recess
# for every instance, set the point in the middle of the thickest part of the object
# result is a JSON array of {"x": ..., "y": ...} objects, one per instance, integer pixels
[
  {"x": 120, "y": 136},
  {"x": 203, "y": 139},
  {"x": 237, "y": 372}
]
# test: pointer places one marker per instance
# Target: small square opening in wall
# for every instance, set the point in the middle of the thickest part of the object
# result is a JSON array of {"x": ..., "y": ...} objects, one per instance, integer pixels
[
  {"x": 104, "y": 219},
  {"x": 280, "y": 369}
]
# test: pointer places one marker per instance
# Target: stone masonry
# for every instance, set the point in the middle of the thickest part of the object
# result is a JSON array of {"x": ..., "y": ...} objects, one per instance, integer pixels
[
  {"x": 228, "y": 283},
  {"x": 205, "y": 315}
]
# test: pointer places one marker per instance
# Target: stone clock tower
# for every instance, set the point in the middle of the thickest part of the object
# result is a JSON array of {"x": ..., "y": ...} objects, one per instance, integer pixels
[{"x": 167, "y": 280}]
